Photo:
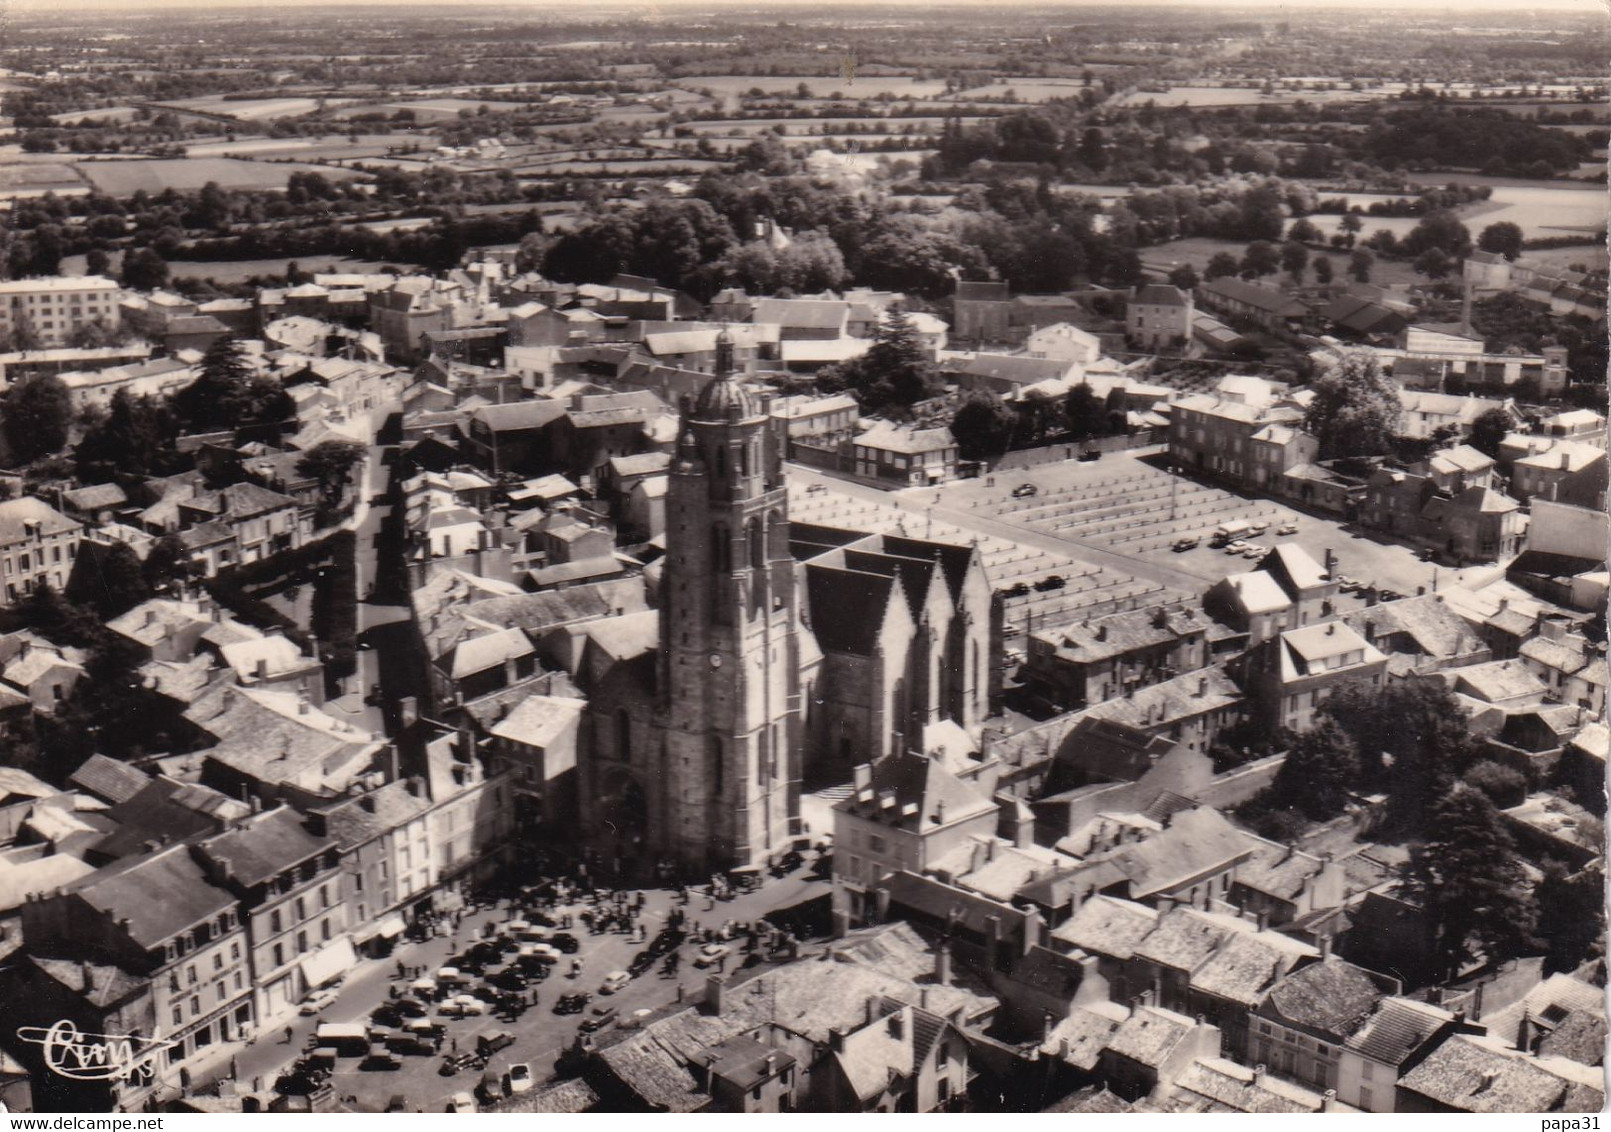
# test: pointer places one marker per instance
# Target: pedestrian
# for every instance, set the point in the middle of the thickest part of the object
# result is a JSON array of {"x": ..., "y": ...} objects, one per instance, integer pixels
[
  {"x": 289, "y": 1033},
  {"x": 455, "y": 1045}
]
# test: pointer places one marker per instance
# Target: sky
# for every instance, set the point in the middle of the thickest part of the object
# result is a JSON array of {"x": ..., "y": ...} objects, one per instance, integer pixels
[{"x": 1458, "y": 11}]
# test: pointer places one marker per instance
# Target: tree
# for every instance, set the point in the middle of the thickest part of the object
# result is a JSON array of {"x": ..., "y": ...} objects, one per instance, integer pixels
[
  {"x": 1356, "y": 408},
  {"x": 1184, "y": 277},
  {"x": 982, "y": 427},
  {"x": 1439, "y": 229},
  {"x": 1571, "y": 916},
  {"x": 135, "y": 437},
  {"x": 1222, "y": 264},
  {"x": 1413, "y": 739},
  {"x": 1093, "y": 151},
  {"x": 1502, "y": 238},
  {"x": 1359, "y": 265},
  {"x": 1489, "y": 430},
  {"x": 1262, "y": 258},
  {"x": 1086, "y": 413},
  {"x": 1304, "y": 231},
  {"x": 108, "y": 579},
  {"x": 893, "y": 371},
  {"x": 144, "y": 270},
  {"x": 331, "y": 463},
  {"x": 166, "y": 563},
  {"x": 227, "y": 395},
  {"x": 36, "y": 414},
  {"x": 1294, "y": 258},
  {"x": 1470, "y": 881},
  {"x": 1432, "y": 263},
  {"x": 1504, "y": 785},
  {"x": 1321, "y": 768},
  {"x": 1323, "y": 270},
  {"x": 97, "y": 262}
]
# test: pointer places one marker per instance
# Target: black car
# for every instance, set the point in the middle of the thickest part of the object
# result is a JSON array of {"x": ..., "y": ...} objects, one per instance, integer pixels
[
  {"x": 1017, "y": 589},
  {"x": 640, "y": 963},
  {"x": 601, "y": 1017},
  {"x": 1186, "y": 543},
  {"x": 566, "y": 942},
  {"x": 1051, "y": 582},
  {"x": 1024, "y": 490},
  {"x": 1091, "y": 454},
  {"x": 572, "y": 1003}
]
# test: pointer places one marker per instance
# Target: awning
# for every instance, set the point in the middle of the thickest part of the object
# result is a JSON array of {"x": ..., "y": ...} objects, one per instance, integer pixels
[
  {"x": 391, "y": 927},
  {"x": 329, "y": 963}
]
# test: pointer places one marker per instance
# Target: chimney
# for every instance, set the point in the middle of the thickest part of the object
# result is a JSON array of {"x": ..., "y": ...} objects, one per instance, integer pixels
[
  {"x": 942, "y": 964},
  {"x": 714, "y": 986},
  {"x": 1258, "y": 1074},
  {"x": 260, "y": 669},
  {"x": 256, "y": 803},
  {"x": 1202, "y": 686},
  {"x": 1331, "y": 628},
  {"x": 923, "y": 998},
  {"x": 87, "y": 973},
  {"x": 872, "y": 1009},
  {"x": 1048, "y": 1023},
  {"x": 150, "y": 617},
  {"x": 1325, "y": 947},
  {"x": 1101, "y": 632},
  {"x": 836, "y": 1039},
  {"x": 1330, "y": 1103}
]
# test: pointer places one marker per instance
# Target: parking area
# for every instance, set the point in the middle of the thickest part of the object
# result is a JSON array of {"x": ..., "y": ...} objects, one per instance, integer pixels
[
  {"x": 1071, "y": 539},
  {"x": 418, "y": 1083}
]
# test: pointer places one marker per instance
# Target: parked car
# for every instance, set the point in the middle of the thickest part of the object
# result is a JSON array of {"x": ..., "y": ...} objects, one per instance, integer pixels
[
  {"x": 1255, "y": 550},
  {"x": 491, "y": 1089},
  {"x": 614, "y": 981},
  {"x": 518, "y": 1079},
  {"x": 380, "y": 1057},
  {"x": 1091, "y": 454},
  {"x": 1024, "y": 490},
  {"x": 1388, "y": 595},
  {"x": 567, "y": 943},
  {"x": 397, "y": 1103},
  {"x": 602, "y": 1017},
  {"x": 1349, "y": 585},
  {"x": 1017, "y": 589},
  {"x": 1257, "y": 527},
  {"x": 1189, "y": 542},
  {"x": 318, "y": 1000},
  {"x": 460, "y": 1102},
  {"x": 492, "y": 1041},
  {"x": 1236, "y": 546},
  {"x": 571, "y": 1003},
  {"x": 463, "y": 1006},
  {"x": 711, "y": 954},
  {"x": 1287, "y": 529},
  {"x": 1051, "y": 582}
]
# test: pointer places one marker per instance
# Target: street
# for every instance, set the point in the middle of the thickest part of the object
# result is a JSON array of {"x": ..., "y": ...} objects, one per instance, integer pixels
[{"x": 540, "y": 1034}]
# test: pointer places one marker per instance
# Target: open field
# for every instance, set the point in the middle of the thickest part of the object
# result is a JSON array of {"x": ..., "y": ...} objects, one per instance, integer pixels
[
  {"x": 335, "y": 147},
  {"x": 836, "y": 84},
  {"x": 1543, "y": 209},
  {"x": 1198, "y": 250},
  {"x": 124, "y": 178},
  {"x": 1027, "y": 89},
  {"x": 115, "y": 115},
  {"x": 1243, "y": 96},
  {"x": 432, "y": 109},
  {"x": 235, "y": 271},
  {"x": 254, "y": 110},
  {"x": 31, "y": 178},
  {"x": 1592, "y": 257}
]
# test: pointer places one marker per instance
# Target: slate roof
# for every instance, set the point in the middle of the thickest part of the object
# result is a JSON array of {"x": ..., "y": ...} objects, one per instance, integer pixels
[
  {"x": 1437, "y": 630},
  {"x": 1278, "y": 870},
  {"x": 1329, "y": 997},
  {"x": 17, "y": 514},
  {"x": 263, "y": 846},
  {"x": 1160, "y": 295},
  {"x": 108, "y": 779},
  {"x": 912, "y": 792},
  {"x": 1172, "y": 701},
  {"x": 355, "y": 821},
  {"x": 1107, "y": 925},
  {"x": 268, "y": 736},
  {"x": 565, "y": 1097},
  {"x": 1257, "y": 591},
  {"x": 1396, "y": 1030},
  {"x": 852, "y": 605},
  {"x": 159, "y": 895},
  {"x": 1196, "y": 843},
  {"x": 489, "y": 651},
  {"x": 1101, "y": 638},
  {"x": 816, "y": 314},
  {"x": 518, "y": 416},
  {"x": 537, "y": 721},
  {"x": 1185, "y": 937},
  {"x": 169, "y": 810},
  {"x": 1017, "y": 368},
  {"x": 653, "y": 1074},
  {"x": 107, "y": 985},
  {"x": 1260, "y": 298}
]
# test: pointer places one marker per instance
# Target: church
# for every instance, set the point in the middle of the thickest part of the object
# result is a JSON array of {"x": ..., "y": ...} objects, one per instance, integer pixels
[{"x": 778, "y": 658}]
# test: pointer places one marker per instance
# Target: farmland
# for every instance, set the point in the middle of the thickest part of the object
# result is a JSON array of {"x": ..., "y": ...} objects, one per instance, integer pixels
[
  {"x": 123, "y": 178},
  {"x": 836, "y": 84}
]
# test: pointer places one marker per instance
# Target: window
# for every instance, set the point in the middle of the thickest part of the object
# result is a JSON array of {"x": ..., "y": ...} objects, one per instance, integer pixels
[
  {"x": 275, "y": 923},
  {"x": 218, "y": 961},
  {"x": 178, "y": 1016},
  {"x": 190, "y": 974},
  {"x": 195, "y": 1005},
  {"x": 301, "y": 909},
  {"x": 279, "y": 954},
  {"x": 223, "y": 991},
  {"x": 324, "y": 928},
  {"x": 875, "y": 843},
  {"x": 1367, "y": 1070},
  {"x": 301, "y": 942},
  {"x": 240, "y": 981}
]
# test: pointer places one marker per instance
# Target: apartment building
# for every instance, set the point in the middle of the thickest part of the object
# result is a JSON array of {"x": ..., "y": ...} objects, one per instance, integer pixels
[{"x": 52, "y": 309}]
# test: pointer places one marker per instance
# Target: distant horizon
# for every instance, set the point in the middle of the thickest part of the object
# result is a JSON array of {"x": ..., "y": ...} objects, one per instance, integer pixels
[{"x": 1464, "y": 9}]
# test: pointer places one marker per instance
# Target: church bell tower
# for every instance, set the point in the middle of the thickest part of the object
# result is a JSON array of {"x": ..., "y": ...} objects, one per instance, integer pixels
[{"x": 729, "y": 656}]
